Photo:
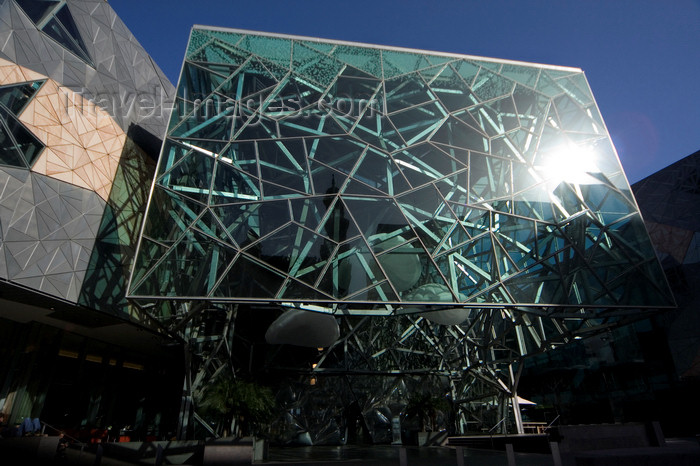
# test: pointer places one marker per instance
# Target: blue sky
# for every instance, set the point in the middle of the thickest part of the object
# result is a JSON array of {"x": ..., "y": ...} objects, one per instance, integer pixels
[{"x": 641, "y": 57}]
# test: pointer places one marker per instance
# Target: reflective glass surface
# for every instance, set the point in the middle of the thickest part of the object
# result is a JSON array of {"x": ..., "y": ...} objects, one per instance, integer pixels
[
  {"x": 16, "y": 96},
  {"x": 54, "y": 19},
  {"x": 365, "y": 178},
  {"x": 18, "y": 146}
]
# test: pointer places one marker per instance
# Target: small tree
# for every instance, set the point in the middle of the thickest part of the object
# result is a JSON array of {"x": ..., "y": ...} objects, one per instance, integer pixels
[{"x": 239, "y": 402}]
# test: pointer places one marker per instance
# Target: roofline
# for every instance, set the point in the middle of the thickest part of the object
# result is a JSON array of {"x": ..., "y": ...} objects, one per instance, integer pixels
[{"x": 387, "y": 47}]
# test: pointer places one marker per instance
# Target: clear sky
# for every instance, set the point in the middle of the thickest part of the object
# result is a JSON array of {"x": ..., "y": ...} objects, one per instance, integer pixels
[{"x": 641, "y": 57}]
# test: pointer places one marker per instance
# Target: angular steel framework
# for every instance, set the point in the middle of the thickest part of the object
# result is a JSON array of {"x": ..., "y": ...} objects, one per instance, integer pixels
[
  {"x": 378, "y": 181},
  {"x": 443, "y": 215}
]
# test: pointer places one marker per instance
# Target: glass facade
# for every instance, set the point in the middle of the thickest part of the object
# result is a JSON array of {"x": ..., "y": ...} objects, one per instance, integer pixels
[
  {"x": 476, "y": 206},
  {"x": 18, "y": 146},
  {"x": 340, "y": 176},
  {"x": 55, "y": 20}
]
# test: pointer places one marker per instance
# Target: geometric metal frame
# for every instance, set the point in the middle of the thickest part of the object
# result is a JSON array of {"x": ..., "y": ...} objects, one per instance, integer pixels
[
  {"x": 434, "y": 191},
  {"x": 367, "y": 180}
]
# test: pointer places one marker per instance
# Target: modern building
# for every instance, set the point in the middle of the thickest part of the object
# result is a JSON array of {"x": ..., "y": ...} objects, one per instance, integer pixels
[
  {"x": 374, "y": 231},
  {"x": 668, "y": 201},
  {"x": 82, "y": 111},
  {"x": 379, "y": 237},
  {"x": 648, "y": 370}
]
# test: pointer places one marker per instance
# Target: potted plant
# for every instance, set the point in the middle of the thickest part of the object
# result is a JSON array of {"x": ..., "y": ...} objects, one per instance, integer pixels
[
  {"x": 424, "y": 408},
  {"x": 243, "y": 408}
]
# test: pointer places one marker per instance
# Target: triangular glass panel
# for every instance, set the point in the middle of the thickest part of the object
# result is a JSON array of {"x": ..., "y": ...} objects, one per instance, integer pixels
[
  {"x": 16, "y": 138},
  {"x": 517, "y": 236},
  {"x": 274, "y": 49},
  {"x": 149, "y": 253},
  {"x": 336, "y": 152},
  {"x": 247, "y": 278},
  {"x": 294, "y": 290},
  {"x": 529, "y": 103},
  {"x": 37, "y": 9},
  {"x": 320, "y": 46},
  {"x": 550, "y": 241},
  {"x": 414, "y": 169},
  {"x": 284, "y": 163},
  {"x": 241, "y": 221},
  {"x": 315, "y": 66},
  {"x": 364, "y": 58},
  {"x": 275, "y": 191},
  {"x": 609, "y": 204},
  {"x": 473, "y": 265},
  {"x": 577, "y": 87},
  {"x": 205, "y": 122},
  {"x": 197, "y": 82},
  {"x": 295, "y": 251},
  {"x": 435, "y": 159},
  {"x": 309, "y": 211},
  {"x": 356, "y": 187},
  {"x": 360, "y": 89},
  {"x": 468, "y": 70},
  {"x": 528, "y": 288},
  {"x": 217, "y": 51},
  {"x": 14, "y": 97},
  {"x": 382, "y": 292},
  {"x": 505, "y": 266},
  {"x": 380, "y": 132},
  {"x": 454, "y": 187},
  {"x": 297, "y": 94},
  {"x": 430, "y": 73},
  {"x": 568, "y": 200},
  {"x": 454, "y": 132},
  {"x": 190, "y": 268},
  {"x": 397, "y": 62},
  {"x": 338, "y": 226},
  {"x": 254, "y": 126},
  {"x": 526, "y": 75},
  {"x": 352, "y": 269},
  {"x": 178, "y": 212},
  {"x": 534, "y": 203},
  {"x": 404, "y": 92},
  {"x": 325, "y": 179},
  {"x": 425, "y": 211},
  {"x": 488, "y": 85},
  {"x": 375, "y": 216},
  {"x": 210, "y": 225},
  {"x": 63, "y": 30},
  {"x": 228, "y": 37},
  {"x": 489, "y": 178},
  {"x": 496, "y": 116},
  {"x": 572, "y": 116},
  {"x": 9, "y": 153},
  {"x": 474, "y": 221},
  {"x": 451, "y": 90},
  {"x": 547, "y": 85},
  {"x": 455, "y": 237},
  {"x": 375, "y": 169},
  {"x": 417, "y": 124},
  {"x": 399, "y": 258}
]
